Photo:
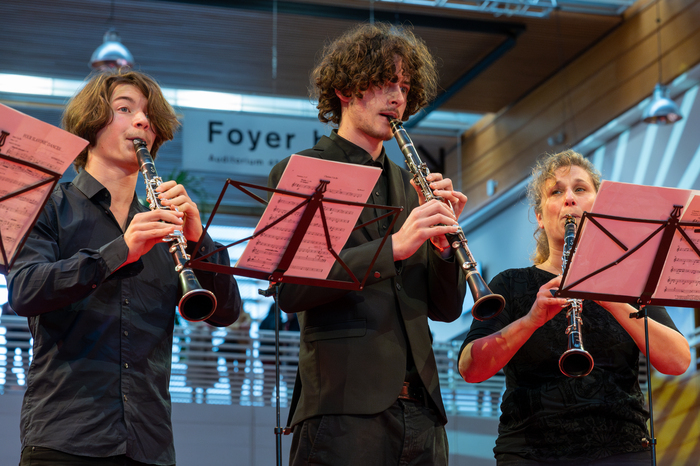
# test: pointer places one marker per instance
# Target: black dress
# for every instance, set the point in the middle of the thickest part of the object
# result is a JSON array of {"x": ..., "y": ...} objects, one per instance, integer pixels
[{"x": 548, "y": 416}]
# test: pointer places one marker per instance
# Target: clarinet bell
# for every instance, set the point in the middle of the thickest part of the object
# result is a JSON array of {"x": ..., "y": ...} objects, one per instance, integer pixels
[
  {"x": 576, "y": 363},
  {"x": 487, "y": 304},
  {"x": 196, "y": 304}
]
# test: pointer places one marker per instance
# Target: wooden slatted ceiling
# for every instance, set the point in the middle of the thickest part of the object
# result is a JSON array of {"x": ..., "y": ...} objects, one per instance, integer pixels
[
  {"x": 610, "y": 78},
  {"x": 185, "y": 45}
]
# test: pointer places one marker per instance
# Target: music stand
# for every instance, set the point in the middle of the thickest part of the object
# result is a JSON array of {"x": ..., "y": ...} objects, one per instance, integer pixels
[
  {"x": 9, "y": 253},
  {"x": 33, "y": 155},
  {"x": 310, "y": 204},
  {"x": 659, "y": 241}
]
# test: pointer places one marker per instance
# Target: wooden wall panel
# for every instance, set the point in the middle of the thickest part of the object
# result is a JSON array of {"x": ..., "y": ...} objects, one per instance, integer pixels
[{"x": 607, "y": 80}]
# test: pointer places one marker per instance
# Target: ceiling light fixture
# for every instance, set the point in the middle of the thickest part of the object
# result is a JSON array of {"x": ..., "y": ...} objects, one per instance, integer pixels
[
  {"x": 112, "y": 53},
  {"x": 662, "y": 109}
]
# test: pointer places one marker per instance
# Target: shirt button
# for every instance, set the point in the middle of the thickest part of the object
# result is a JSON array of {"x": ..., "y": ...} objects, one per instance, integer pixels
[
  {"x": 398, "y": 286},
  {"x": 377, "y": 193},
  {"x": 126, "y": 301},
  {"x": 377, "y": 275},
  {"x": 126, "y": 333},
  {"x": 125, "y": 399},
  {"x": 126, "y": 365},
  {"x": 94, "y": 286}
]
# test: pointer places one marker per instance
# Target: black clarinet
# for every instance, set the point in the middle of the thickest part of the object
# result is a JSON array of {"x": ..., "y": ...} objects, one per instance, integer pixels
[
  {"x": 487, "y": 304},
  {"x": 196, "y": 303},
  {"x": 576, "y": 361}
]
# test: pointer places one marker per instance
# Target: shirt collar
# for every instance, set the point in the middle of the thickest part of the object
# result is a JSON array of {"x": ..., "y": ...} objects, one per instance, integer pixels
[
  {"x": 93, "y": 189},
  {"x": 355, "y": 154},
  {"x": 88, "y": 185}
]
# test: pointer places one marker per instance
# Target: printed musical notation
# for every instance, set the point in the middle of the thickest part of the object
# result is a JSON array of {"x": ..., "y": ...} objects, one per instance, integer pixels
[
  {"x": 346, "y": 182},
  {"x": 26, "y": 140},
  {"x": 680, "y": 278}
]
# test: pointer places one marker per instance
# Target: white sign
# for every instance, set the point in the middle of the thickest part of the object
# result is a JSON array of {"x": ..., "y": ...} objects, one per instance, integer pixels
[{"x": 235, "y": 143}]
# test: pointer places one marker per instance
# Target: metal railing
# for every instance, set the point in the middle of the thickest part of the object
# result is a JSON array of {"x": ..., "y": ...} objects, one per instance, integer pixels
[{"x": 223, "y": 366}]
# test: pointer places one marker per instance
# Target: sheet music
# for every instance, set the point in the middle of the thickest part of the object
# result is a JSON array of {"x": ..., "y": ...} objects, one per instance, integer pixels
[
  {"x": 29, "y": 140},
  {"x": 347, "y": 182},
  {"x": 680, "y": 278}
]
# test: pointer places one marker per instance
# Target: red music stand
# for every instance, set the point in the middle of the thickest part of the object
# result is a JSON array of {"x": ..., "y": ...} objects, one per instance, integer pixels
[
  {"x": 8, "y": 253},
  {"x": 310, "y": 204},
  {"x": 613, "y": 246}
]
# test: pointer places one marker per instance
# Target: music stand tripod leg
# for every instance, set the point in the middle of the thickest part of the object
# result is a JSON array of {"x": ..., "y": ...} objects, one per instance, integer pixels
[
  {"x": 274, "y": 292},
  {"x": 643, "y": 314}
]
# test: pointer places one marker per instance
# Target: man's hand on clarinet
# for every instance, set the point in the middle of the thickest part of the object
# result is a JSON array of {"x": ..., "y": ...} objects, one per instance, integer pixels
[
  {"x": 432, "y": 220},
  {"x": 171, "y": 195},
  {"x": 443, "y": 188},
  {"x": 455, "y": 200}
]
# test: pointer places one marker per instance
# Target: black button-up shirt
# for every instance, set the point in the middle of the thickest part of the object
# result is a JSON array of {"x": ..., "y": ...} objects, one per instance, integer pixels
[{"x": 98, "y": 381}]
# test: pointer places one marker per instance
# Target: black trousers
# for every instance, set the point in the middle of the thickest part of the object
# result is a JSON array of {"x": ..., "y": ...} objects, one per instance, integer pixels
[
  {"x": 40, "y": 456},
  {"x": 406, "y": 434}
]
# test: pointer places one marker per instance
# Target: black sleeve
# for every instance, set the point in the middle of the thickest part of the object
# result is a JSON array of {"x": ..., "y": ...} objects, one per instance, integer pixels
[
  {"x": 224, "y": 286},
  {"x": 480, "y": 329}
]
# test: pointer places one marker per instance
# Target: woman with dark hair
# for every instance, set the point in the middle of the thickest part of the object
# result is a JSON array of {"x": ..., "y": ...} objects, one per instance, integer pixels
[{"x": 547, "y": 417}]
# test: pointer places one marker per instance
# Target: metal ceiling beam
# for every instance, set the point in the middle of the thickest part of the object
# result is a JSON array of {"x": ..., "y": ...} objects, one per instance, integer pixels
[
  {"x": 462, "y": 81},
  {"x": 363, "y": 14},
  {"x": 510, "y": 30}
]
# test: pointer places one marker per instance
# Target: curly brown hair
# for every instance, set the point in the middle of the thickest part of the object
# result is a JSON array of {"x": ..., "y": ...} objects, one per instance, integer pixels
[
  {"x": 89, "y": 110},
  {"x": 364, "y": 57},
  {"x": 545, "y": 170}
]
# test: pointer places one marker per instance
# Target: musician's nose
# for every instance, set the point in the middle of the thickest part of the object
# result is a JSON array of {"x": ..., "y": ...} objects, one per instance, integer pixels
[
  {"x": 570, "y": 199},
  {"x": 141, "y": 121}
]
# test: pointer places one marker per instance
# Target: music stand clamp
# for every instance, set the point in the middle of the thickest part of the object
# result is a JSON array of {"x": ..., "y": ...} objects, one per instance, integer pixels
[
  {"x": 311, "y": 203},
  {"x": 667, "y": 229}
]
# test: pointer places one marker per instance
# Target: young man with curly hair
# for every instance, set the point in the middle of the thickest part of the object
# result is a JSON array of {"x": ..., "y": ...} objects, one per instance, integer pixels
[
  {"x": 368, "y": 382},
  {"x": 99, "y": 287}
]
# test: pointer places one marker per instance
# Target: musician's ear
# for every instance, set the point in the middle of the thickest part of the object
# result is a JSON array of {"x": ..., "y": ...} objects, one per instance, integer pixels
[
  {"x": 539, "y": 220},
  {"x": 343, "y": 98}
]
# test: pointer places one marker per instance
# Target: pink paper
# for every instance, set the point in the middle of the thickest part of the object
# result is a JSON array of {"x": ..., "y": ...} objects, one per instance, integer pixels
[
  {"x": 347, "y": 182},
  {"x": 596, "y": 250},
  {"x": 28, "y": 140}
]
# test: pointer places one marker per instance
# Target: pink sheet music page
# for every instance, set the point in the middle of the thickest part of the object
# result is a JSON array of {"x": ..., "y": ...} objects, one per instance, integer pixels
[
  {"x": 26, "y": 139},
  {"x": 680, "y": 279},
  {"x": 347, "y": 182},
  {"x": 596, "y": 249}
]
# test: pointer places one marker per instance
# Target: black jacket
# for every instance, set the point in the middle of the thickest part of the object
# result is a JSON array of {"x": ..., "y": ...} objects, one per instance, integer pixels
[{"x": 354, "y": 343}]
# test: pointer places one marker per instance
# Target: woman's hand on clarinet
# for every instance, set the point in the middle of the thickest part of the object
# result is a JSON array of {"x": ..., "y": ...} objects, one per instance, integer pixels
[
  {"x": 546, "y": 306},
  {"x": 175, "y": 195}
]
